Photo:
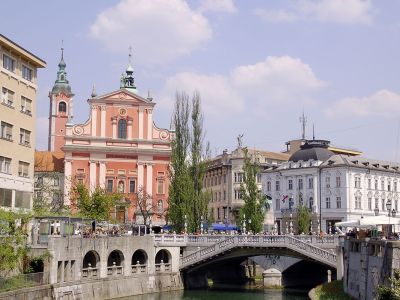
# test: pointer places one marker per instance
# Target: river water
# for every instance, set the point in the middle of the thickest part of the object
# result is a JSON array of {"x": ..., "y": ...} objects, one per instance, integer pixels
[{"x": 226, "y": 293}]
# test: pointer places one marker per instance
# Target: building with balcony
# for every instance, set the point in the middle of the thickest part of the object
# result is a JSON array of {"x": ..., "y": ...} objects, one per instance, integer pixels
[
  {"x": 18, "y": 87},
  {"x": 224, "y": 176},
  {"x": 335, "y": 187}
]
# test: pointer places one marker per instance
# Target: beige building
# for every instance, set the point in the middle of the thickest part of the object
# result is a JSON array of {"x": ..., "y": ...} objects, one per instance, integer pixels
[
  {"x": 224, "y": 176},
  {"x": 18, "y": 87}
]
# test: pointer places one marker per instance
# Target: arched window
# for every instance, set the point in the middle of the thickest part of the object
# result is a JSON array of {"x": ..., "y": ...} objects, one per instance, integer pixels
[
  {"x": 122, "y": 129},
  {"x": 62, "y": 107}
]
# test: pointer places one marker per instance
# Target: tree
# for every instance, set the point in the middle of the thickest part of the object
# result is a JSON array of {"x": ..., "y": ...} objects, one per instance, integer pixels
[
  {"x": 303, "y": 219},
  {"x": 254, "y": 200},
  {"x": 13, "y": 240},
  {"x": 187, "y": 202},
  {"x": 98, "y": 205},
  {"x": 391, "y": 292}
]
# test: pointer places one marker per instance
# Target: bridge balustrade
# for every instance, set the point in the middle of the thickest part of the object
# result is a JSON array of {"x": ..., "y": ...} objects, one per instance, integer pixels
[
  {"x": 139, "y": 269},
  {"x": 89, "y": 273},
  {"x": 163, "y": 267},
  {"x": 114, "y": 270}
]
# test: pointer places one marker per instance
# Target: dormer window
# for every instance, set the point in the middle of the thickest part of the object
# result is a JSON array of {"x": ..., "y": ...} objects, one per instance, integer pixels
[{"x": 122, "y": 129}]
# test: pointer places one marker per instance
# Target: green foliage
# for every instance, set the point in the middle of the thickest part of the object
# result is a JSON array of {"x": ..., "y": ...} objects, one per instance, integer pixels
[
  {"x": 391, "y": 292},
  {"x": 331, "y": 291},
  {"x": 303, "y": 219},
  {"x": 98, "y": 205},
  {"x": 187, "y": 202},
  {"x": 254, "y": 201},
  {"x": 12, "y": 239}
]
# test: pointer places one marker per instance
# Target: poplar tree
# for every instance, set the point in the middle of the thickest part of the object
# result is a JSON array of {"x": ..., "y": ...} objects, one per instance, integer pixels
[
  {"x": 254, "y": 200},
  {"x": 187, "y": 168}
]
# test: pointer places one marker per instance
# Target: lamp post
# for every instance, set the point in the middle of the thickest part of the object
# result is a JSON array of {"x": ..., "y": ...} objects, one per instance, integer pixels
[
  {"x": 291, "y": 224},
  {"x": 394, "y": 215},
  {"x": 185, "y": 224},
  {"x": 249, "y": 225},
  {"x": 389, "y": 209},
  {"x": 201, "y": 225},
  {"x": 311, "y": 227}
]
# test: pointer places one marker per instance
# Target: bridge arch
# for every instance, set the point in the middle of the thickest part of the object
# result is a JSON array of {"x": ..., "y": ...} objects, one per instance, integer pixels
[
  {"x": 163, "y": 256},
  {"x": 139, "y": 257},
  {"x": 115, "y": 258},
  {"x": 91, "y": 259}
]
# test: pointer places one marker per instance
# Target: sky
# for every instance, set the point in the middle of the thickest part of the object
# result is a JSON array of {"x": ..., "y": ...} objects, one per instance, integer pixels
[{"x": 257, "y": 64}]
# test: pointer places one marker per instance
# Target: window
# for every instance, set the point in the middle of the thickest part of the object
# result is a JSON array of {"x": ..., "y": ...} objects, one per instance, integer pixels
[
  {"x": 310, "y": 183},
  {"x": 382, "y": 184},
  {"x": 357, "y": 202},
  {"x": 396, "y": 205},
  {"x": 369, "y": 183},
  {"x": 122, "y": 129},
  {"x": 277, "y": 185},
  {"x": 377, "y": 203},
  {"x": 62, "y": 108},
  {"x": 27, "y": 73},
  {"x": 22, "y": 199},
  {"x": 328, "y": 202},
  {"x": 338, "y": 202},
  {"x": 357, "y": 182},
  {"x": 5, "y": 197},
  {"x": 23, "y": 169},
  {"x": 56, "y": 181},
  {"x": 8, "y": 63},
  {"x": 300, "y": 183},
  {"x": 383, "y": 205},
  {"x": 110, "y": 185},
  {"x": 238, "y": 194},
  {"x": 160, "y": 186},
  {"x": 268, "y": 186},
  {"x": 327, "y": 182},
  {"x": 338, "y": 181},
  {"x": 376, "y": 184},
  {"x": 224, "y": 195},
  {"x": 219, "y": 179},
  {"x": 26, "y": 105},
  {"x": 121, "y": 186},
  {"x": 238, "y": 177},
  {"x": 7, "y": 97},
  {"x": 258, "y": 178},
  {"x": 310, "y": 202},
  {"x": 224, "y": 178},
  {"x": 25, "y": 137},
  {"x": 6, "y": 131},
  {"x": 369, "y": 203},
  {"x": 277, "y": 204},
  {"x": 290, "y": 184},
  {"x": 5, "y": 164},
  {"x": 132, "y": 186},
  {"x": 389, "y": 186}
]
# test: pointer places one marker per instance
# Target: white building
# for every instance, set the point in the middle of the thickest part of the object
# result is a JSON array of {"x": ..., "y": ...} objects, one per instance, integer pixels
[{"x": 335, "y": 187}]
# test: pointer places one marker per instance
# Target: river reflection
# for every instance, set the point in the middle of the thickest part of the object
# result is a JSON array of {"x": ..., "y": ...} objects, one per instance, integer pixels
[{"x": 226, "y": 293}]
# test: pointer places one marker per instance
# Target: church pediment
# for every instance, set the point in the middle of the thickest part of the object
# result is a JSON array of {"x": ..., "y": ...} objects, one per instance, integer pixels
[{"x": 123, "y": 95}]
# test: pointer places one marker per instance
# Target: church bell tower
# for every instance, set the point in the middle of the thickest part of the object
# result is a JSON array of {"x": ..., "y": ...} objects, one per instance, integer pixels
[{"x": 60, "y": 107}]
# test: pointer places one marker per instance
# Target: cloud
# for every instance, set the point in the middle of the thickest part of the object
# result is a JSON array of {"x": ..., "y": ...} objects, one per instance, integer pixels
[
  {"x": 383, "y": 103},
  {"x": 335, "y": 11},
  {"x": 226, "y": 6},
  {"x": 272, "y": 82},
  {"x": 158, "y": 30}
]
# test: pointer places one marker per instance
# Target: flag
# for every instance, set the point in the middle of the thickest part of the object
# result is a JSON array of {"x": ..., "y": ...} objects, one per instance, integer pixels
[{"x": 284, "y": 198}]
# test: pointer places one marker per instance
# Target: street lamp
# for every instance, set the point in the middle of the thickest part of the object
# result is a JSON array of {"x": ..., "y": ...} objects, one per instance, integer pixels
[
  {"x": 244, "y": 224},
  {"x": 201, "y": 225},
  {"x": 311, "y": 227},
  {"x": 291, "y": 224},
  {"x": 249, "y": 224},
  {"x": 389, "y": 209}
]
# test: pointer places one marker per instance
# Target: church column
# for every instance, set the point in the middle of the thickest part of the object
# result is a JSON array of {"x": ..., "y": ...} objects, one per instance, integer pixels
[
  {"x": 130, "y": 122},
  {"x": 102, "y": 174},
  {"x": 103, "y": 121},
  {"x": 315, "y": 193},
  {"x": 149, "y": 124},
  {"x": 141, "y": 123},
  {"x": 67, "y": 180},
  {"x": 149, "y": 178},
  {"x": 140, "y": 175},
  {"x": 94, "y": 120},
  {"x": 114, "y": 127},
  {"x": 92, "y": 176}
]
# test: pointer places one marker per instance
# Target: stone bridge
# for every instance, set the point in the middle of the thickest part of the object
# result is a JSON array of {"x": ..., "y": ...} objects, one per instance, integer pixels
[{"x": 277, "y": 243}]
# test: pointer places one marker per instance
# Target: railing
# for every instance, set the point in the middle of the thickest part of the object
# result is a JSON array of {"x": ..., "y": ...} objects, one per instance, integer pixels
[
  {"x": 163, "y": 267},
  {"x": 139, "y": 269},
  {"x": 114, "y": 270},
  {"x": 23, "y": 281},
  {"x": 257, "y": 241},
  {"x": 89, "y": 273}
]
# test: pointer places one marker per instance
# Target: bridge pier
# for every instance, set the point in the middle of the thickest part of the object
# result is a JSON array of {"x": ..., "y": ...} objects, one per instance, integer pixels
[
  {"x": 272, "y": 278},
  {"x": 195, "y": 281}
]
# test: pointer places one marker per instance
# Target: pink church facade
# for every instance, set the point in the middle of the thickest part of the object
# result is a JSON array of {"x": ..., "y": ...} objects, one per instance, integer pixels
[{"x": 119, "y": 148}]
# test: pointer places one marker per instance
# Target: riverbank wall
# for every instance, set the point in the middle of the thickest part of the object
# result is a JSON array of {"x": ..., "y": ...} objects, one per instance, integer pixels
[{"x": 99, "y": 289}]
